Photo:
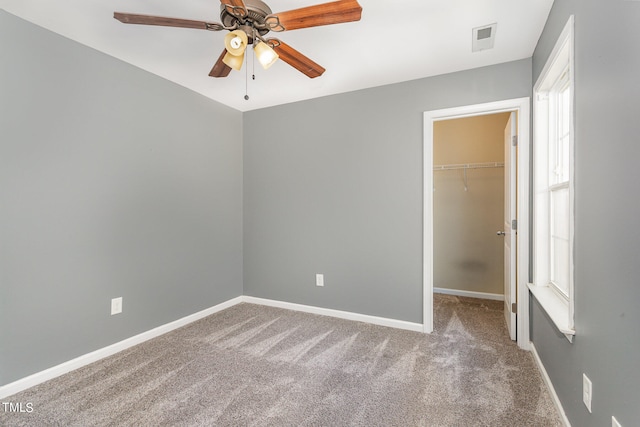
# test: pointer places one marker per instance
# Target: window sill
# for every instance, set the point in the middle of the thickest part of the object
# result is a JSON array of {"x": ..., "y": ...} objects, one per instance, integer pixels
[{"x": 555, "y": 307}]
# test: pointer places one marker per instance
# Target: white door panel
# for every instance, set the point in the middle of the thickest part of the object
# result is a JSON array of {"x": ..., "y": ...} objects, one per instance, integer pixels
[{"x": 510, "y": 234}]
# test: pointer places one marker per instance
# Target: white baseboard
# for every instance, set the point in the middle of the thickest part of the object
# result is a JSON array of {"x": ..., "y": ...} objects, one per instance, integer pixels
[
  {"x": 94, "y": 356},
  {"x": 470, "y": 294},
  {"x": 61, "y": 369},
  {"x": 552, "y": 390},
  {"x": 381, "y": 321}
]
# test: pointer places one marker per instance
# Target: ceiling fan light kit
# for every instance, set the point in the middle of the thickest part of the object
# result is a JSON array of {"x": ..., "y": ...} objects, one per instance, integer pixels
[
  {"x": 233, "y": 61},
  {"x": 266, "y": 55},
  {"x": 236, "y": 42},
  {"x": 248, "y": 21}
]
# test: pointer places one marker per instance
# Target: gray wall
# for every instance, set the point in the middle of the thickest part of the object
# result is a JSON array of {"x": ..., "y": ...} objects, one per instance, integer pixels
[
  {"x": 334, "y": 186},
  {"x": 607, "y": 239},
  {"x": 113, "y": 182}
]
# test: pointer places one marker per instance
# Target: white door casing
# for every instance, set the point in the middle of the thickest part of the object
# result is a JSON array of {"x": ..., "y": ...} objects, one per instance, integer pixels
[{"x": 521, "y": 270}]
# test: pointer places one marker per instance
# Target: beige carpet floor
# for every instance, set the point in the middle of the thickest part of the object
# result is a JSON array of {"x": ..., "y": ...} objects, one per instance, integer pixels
[{"x": 251, "y": 365}]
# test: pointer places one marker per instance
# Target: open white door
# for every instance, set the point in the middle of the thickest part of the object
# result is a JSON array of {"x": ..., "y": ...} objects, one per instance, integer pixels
[{"x": 509, "y": 233}]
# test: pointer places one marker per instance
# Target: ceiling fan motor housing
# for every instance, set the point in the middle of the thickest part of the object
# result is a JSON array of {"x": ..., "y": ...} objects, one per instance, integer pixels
[{"x": 257, "y": 11}]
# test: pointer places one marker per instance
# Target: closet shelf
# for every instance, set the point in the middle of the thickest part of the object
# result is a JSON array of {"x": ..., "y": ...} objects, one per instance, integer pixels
[{"x": 468, "y": 166}]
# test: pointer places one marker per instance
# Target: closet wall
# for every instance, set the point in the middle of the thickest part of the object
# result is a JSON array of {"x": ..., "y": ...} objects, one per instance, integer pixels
[{"x": 468, "y": 254}]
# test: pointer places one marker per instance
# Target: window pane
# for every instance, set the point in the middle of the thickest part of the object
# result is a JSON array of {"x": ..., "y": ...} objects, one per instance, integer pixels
[
  {"x": 559, "y": 136},
  {"x": 560, "y": 273},
  {"x": 563, "y": 149},
  {"x": 564, "y": 108},
  {"x": 563, "y": 135},
  {"x": 560, "y": 212},
  {"x": 559, "y": 239}
]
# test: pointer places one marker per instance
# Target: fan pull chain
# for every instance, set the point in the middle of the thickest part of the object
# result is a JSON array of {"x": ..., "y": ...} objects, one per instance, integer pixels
[
  {"x": 253, "y": 64},
  {"x": 246, "y": 78}
]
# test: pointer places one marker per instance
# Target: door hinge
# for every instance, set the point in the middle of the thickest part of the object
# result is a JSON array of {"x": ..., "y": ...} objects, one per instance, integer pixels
[
  {"x": 514, "y": 308},
  {"x": 514, "y": 140},
  {"x": 542, "y": 96},
  {"x": 514, "y": 224}
]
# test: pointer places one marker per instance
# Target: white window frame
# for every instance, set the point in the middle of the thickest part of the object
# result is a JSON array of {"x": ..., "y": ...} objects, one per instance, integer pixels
[
  {"x": 558, "y": 68},
  {"x": 560, "y": 84}
]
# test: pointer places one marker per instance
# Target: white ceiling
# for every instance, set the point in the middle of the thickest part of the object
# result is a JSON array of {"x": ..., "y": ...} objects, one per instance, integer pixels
[{"x": 394, "y": 41}]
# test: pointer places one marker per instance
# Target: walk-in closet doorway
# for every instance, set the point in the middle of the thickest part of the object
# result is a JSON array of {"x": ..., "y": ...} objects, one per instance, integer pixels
[
  {"x": 468, "y": 206},
  {"x": 476, "y": 195}
]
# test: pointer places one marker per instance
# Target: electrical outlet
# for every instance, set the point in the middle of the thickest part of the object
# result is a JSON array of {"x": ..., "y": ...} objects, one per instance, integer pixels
[
  {"x": 319, "y": 279},
  {"x": 587, "y": 391},
  {"x": 614, "y": 422},
  {"x": 116, "y": 306}
]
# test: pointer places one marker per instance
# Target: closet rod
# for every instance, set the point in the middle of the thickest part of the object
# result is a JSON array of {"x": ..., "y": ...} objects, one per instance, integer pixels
[{"x": 468, "y": 166}]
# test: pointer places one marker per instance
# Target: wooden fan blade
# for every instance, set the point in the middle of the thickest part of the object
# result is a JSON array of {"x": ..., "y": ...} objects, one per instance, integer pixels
[
  {"x": 220, "y": 69},
  {"x": 296, "y": 59},
  {"x": 235, "y": 7},
  {"x": 335, "y": 12},
  {"x": 131, "y": 18}
]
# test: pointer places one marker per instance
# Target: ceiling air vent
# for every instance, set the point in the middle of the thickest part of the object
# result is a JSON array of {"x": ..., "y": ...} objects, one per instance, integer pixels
[{"x": 483, "y": 37}]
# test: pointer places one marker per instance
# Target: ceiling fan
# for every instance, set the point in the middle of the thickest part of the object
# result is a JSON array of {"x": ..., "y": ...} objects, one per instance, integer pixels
[{"x": 248, "y": 21}]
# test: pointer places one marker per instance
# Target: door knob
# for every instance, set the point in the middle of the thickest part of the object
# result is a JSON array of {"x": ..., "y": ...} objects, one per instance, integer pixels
[{"x": 500, "y": 233}]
